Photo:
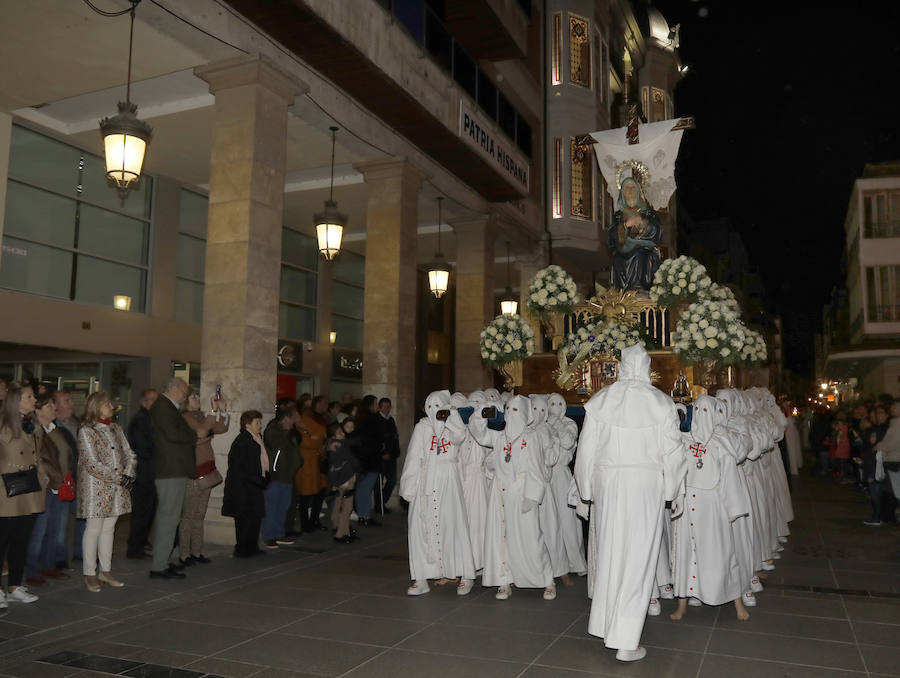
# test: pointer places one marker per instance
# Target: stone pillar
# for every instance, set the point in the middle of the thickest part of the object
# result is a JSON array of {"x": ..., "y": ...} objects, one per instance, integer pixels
[
  {"x": 389, "y": 330},
  {"x": 243, "y": 245},
  {"x": 474, "y": 300}
]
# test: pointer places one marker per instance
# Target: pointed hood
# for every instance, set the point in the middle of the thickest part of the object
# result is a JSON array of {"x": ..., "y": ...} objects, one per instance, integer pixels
[
  {"x": 492, "y": 395},
  {"x": 505, "y": 396},
  {"x": 438, "y": 400},
  {"x": 518, "y": 416},
  {"x": 704, "y": 421},
  {"x": 635, "y": 363},
  {"x": 476, "y": 398},
  {"x": 458, "y": 400},
  {"x": 539, "y": 409},
  {"x": 556, "y": 408}
]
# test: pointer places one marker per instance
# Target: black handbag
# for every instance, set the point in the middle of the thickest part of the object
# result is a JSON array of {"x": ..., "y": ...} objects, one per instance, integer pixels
[{"x": 22, "y": 482}]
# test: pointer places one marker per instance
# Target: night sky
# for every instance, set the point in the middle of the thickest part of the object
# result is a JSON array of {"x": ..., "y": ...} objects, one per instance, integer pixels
[{"x": 791, "y": 101}]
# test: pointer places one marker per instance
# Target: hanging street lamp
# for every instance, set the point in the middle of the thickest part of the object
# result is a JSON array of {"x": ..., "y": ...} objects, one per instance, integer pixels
[
  {"x": 438, "y": 271},
  {"x": 509, "y": 304},
  {"x": 329, "y": 222}
]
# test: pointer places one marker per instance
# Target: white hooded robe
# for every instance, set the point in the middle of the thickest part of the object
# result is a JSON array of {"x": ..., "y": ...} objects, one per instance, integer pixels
[
  {"x": 630, "y": 461},
  {"x": 566, "y": 436}
]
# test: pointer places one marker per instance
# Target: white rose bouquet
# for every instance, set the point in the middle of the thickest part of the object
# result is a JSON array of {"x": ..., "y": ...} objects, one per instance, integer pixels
[
  {"x": 717, "y": 292},
  {"x": 604, "y": 336},
  {"x": 505, "y": 339},
  {"x": 552, "y": 290},
  {"x": 710, "y": 330},
  {"x": 754, "y": 351},
  {"x": 678, "y": 281}
]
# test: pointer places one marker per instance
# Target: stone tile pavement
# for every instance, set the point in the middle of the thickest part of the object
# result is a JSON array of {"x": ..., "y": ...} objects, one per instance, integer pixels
[{"x": 831, "y": 609}]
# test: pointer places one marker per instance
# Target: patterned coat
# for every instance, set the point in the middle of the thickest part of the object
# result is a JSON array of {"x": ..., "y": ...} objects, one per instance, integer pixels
[{"x": 104, "y": 456}]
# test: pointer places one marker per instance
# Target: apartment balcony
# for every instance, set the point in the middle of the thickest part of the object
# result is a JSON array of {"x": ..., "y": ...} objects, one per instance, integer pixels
[{"x": 885, "y": 229}]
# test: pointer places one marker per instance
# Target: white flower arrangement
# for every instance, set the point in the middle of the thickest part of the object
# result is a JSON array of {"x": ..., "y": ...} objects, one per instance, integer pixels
[
  {"x": 718, "y": 292},
  {"x": 678, "y": 281},
  {"x": 505, "y": 339},
  {"x": 604, "y": 336},
  {"x": 710, "y": 330},
  {"x": 552, "y": 290},
  {"x": 754, "y": 350}
]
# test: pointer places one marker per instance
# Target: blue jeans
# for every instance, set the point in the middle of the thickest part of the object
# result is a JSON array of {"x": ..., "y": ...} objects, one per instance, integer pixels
[
  {"x": 364, "y": 487},
  {"x": 47, "y": 545},
  {"x": 278, "y": 497}
]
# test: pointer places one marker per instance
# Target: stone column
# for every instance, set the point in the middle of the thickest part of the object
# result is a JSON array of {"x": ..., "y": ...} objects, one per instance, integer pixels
[
  {"x": 389, "y": 330},
  {"x": 5, "y": 142},
  {"x": 243, "y": 245},
  {"x": 474, "y": 300}
]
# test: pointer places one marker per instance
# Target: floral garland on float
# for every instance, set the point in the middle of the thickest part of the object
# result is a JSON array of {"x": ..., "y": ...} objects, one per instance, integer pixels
[
  {"x": 754, "y": 351},
  {"x": 504, "y": 343},
  {"x": 551, "y": 291},
  {"x": 682, "y": 280}
]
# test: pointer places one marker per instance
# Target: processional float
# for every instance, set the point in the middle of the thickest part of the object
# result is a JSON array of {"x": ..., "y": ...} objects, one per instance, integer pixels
[{"x": 690, "y": 325}]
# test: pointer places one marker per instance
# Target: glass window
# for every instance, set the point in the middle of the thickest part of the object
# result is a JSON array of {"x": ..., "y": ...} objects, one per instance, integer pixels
[
  {"x": 350, "y": 267},
  {"x": 39, "y": 215},
  {"x": 96, "y": 188},
  {"x": 191, "y": 258},
  {"x": 487, "y": 95},
  {"x": 465, "y": 71},
  {"x": 349, "y": 331},
  {"x": 347, "y": 300},
  {"x": 188, "y": 301},
  {"x": 579, "y": 51},
  {"x": 506, "y": 116},
  {"x": 411, "y": 15},
  {"x": 298, "y": 286},
  {"x": 97, "y": 281},
  {"x": 60, "y": 206},
  {"x": 523, "y": 135},
  {"x": 300, "y": 250},
  {"x": 438, "y": 41},
  {"x": 113, "y": 235},
  {"x": 297, "y": 322},
  {"x": 582, "y": 181},
  {"x": 193, "y": 214},
  {"x": 39, "y": 269},
  {"x": 45, "y": 162}
]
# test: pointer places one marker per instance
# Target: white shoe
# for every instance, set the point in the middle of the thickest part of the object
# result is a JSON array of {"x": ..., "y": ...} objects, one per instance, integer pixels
[
  {"x": 550, "y": 592},
  {"x": 20, "y": 595},
  {"x": 756, "y": 585},
  {"x": 631, "y": 655},
  {"x": 782, "y": 540},
  {"x": 503, "y": 592},
  {"x": 3, "y": 603},
  {"x": 464, "y": 586},
  {"x": 779, "y": 548},
  {"x": 666, "y": 592},
  {"x": 767, "y": 566},
  {"x": 654, "y": 609},
  {"x": 776, "y": 556},
  {"x": 353, "y": 516},
  {"x": 420, "y": 587},
  {"x": 749, "y": 599},
  {"x": 582, "y": 574},
  {"x": 695, "y": 602}
]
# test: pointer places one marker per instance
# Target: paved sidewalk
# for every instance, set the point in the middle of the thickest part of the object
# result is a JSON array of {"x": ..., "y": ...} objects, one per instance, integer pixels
[{"x": 831, "y": 609}]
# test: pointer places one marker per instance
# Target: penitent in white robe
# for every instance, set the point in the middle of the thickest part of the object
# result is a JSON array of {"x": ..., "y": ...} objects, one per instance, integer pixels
[
  {"x": 514, "y": 547},
  {"x": 549, "y": 508},
  {"x": 475, "y": 484},
  {"x": 438, "y": 527},
  {"x": 630, "y": 461},
  {"x": 566, "y": 438},
  {"x": 705, "y": 562}
]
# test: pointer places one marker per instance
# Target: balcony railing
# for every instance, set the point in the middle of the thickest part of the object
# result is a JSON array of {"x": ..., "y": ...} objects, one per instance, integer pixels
[
  {"x": 425, "y": 27},
  {"x": 883, "y": 229},
  {"x": 884, "y": 314}
]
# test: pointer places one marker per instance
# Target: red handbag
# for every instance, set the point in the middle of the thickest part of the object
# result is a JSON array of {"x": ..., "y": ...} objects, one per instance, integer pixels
[{"x": 66, "y": 491}]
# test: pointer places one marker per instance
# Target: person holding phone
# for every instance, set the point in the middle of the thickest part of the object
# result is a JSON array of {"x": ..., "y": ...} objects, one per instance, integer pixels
[{"x": 439, "y": 546}]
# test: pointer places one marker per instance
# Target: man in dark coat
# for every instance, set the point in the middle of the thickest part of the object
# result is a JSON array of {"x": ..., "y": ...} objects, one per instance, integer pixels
[
  {"x": 174, "y": 445},
  {"x": 143, "y": 493},
  {"x": 390, "y": 448}
]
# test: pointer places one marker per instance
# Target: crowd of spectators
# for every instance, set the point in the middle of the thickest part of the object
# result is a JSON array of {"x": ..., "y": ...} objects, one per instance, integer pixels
[
  {"x": 859, "y": 445},
  {"x": 58, "y": 469}
]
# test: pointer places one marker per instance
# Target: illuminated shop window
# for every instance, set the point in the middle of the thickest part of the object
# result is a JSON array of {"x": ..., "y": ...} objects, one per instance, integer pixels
[{"x": 579, "y": 51}]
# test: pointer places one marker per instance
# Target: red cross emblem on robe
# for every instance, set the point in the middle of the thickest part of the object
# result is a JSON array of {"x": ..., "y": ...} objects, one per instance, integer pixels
[
  {"x": 508, "y": 449},
  {"x": 698, "y": 450},
  {"x": 442, "y": 447}
]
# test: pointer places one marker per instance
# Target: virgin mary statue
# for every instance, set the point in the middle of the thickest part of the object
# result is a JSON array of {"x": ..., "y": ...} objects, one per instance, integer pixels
[{"x": 634, "y": 236}]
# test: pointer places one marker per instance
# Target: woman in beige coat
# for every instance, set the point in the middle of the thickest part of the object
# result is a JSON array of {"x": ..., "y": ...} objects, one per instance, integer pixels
[
  {"x": 20, "y": 446},
  {"x": 106, "y": 472},
  {"x": 196, "y": 496}
]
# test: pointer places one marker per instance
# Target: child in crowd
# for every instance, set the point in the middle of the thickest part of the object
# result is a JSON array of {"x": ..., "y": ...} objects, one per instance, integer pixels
[{"x": 342, "y": 469}]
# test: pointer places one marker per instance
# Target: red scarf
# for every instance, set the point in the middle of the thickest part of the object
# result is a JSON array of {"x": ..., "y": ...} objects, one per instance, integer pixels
[{"x": 104, "y": 421}]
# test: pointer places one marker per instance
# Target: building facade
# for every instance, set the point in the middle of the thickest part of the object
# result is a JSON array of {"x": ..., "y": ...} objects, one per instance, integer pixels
[{"x": 209, "y": 268}]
